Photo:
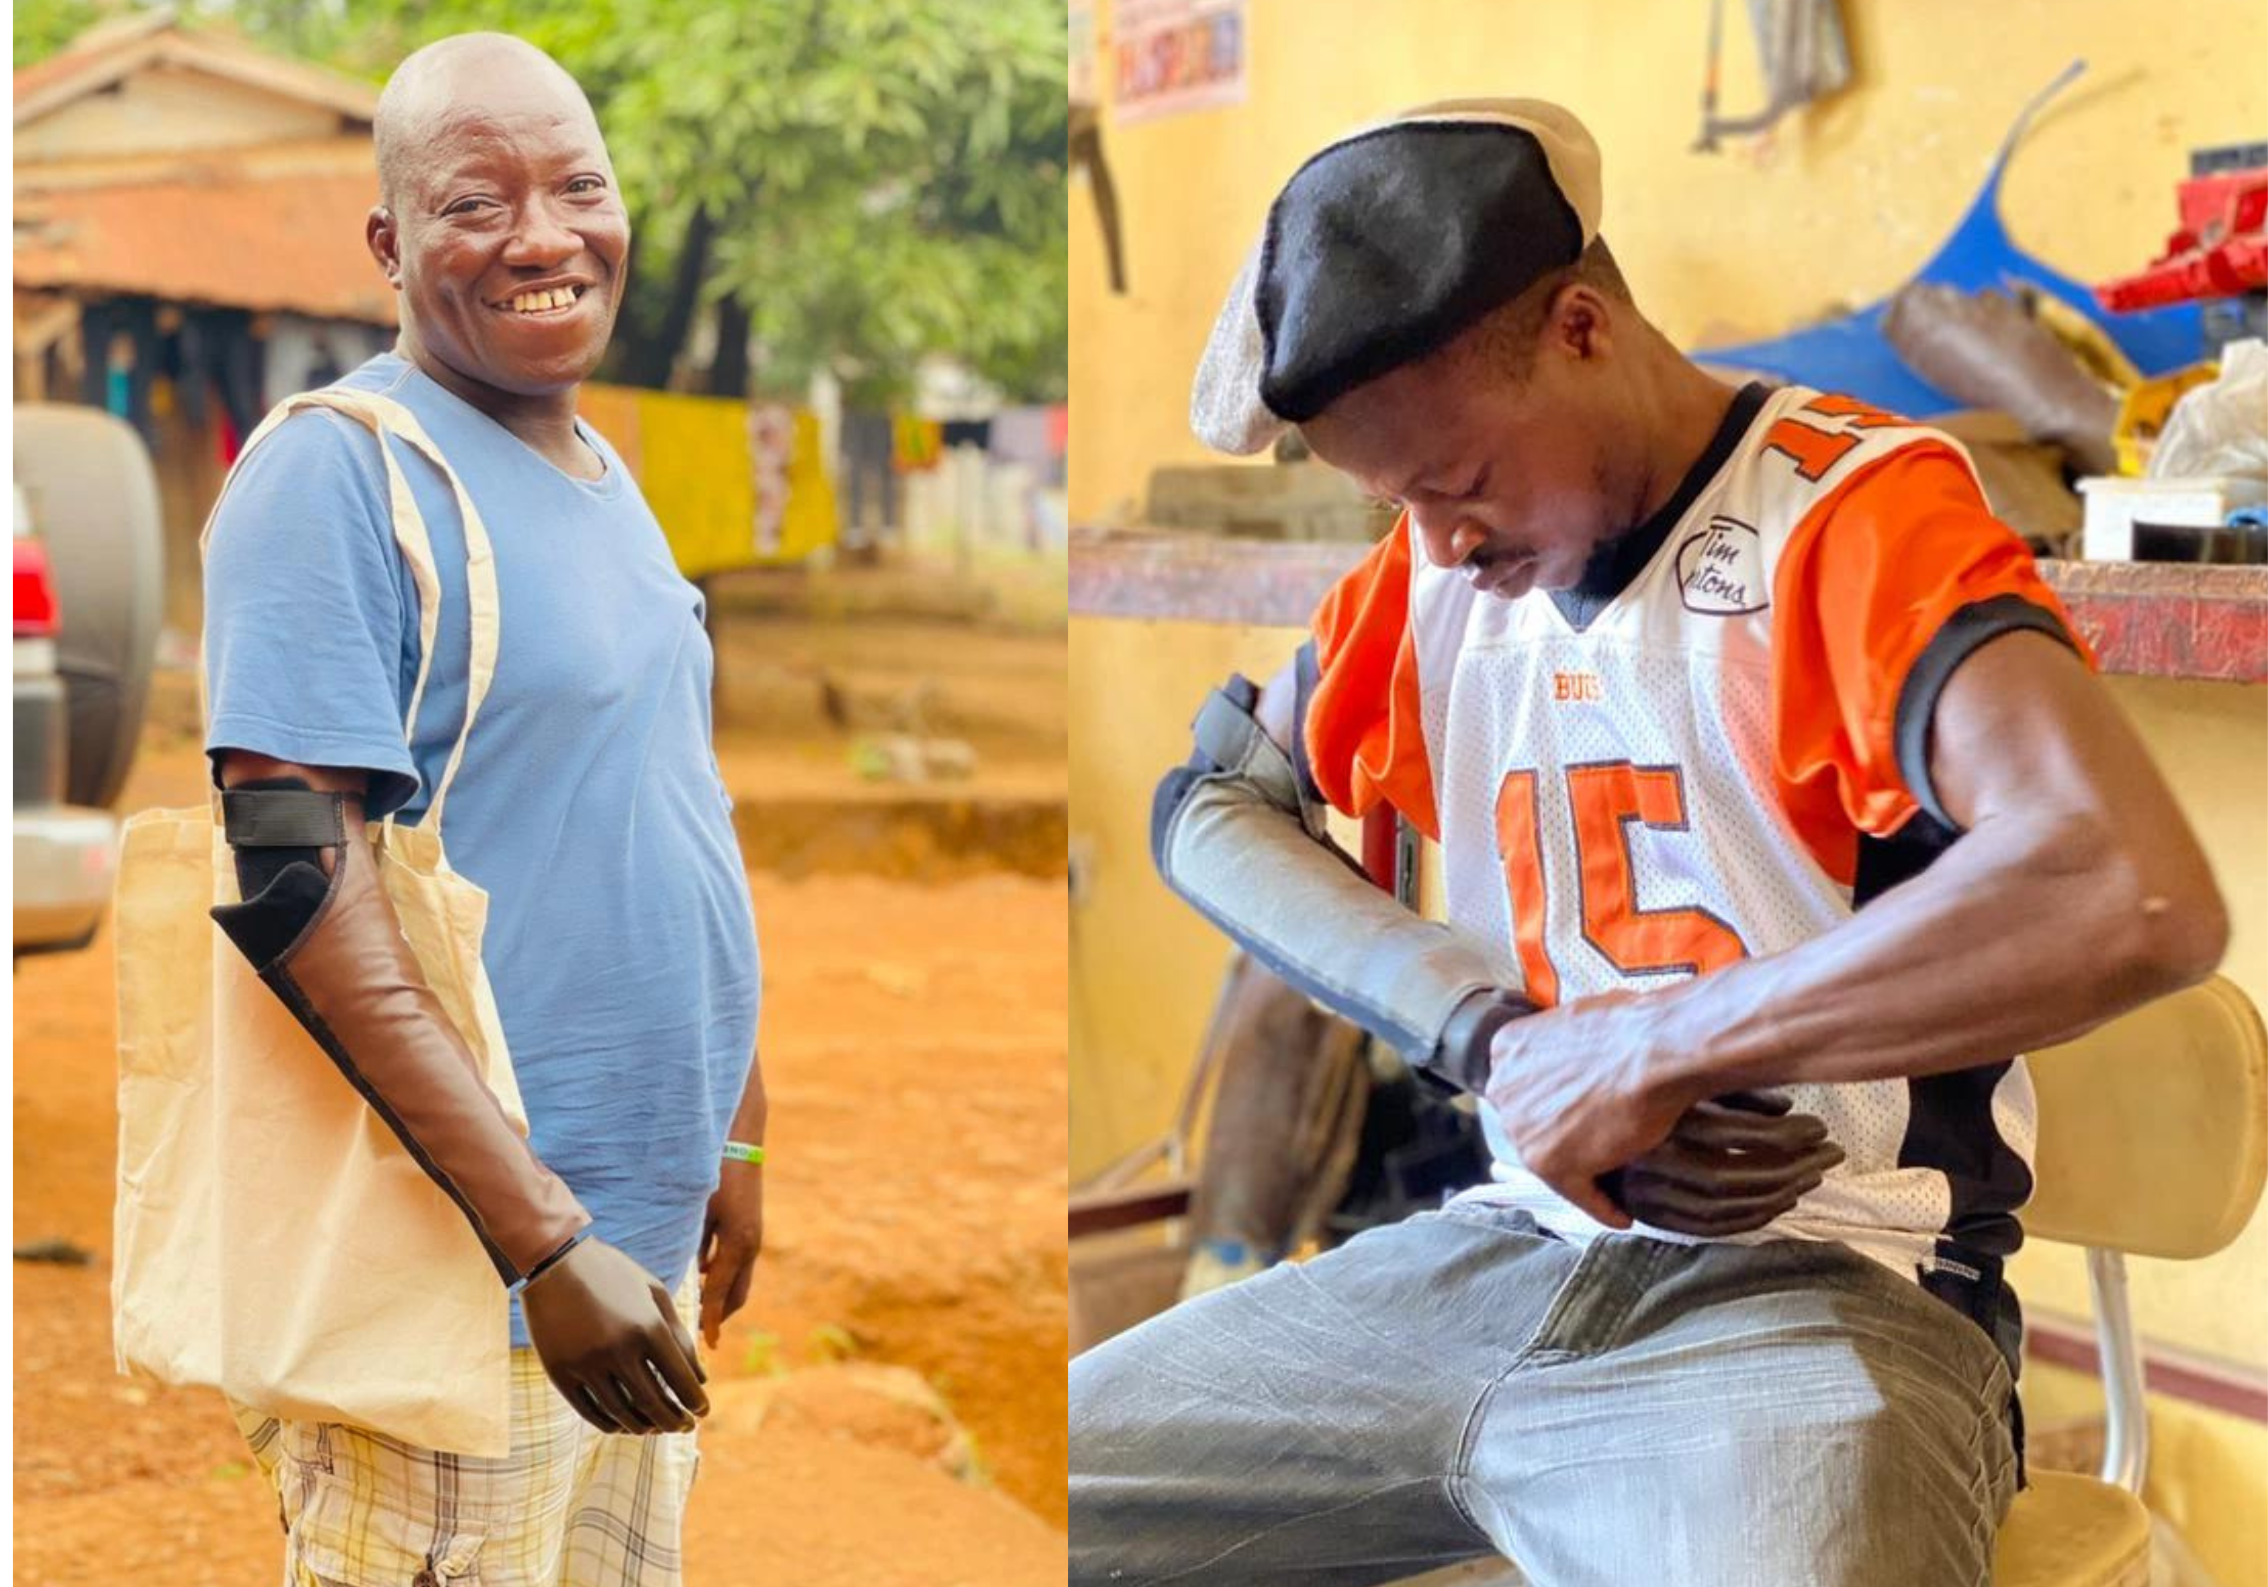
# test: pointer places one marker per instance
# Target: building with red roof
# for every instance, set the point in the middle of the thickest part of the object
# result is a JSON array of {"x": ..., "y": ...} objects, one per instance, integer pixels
[{"x": 189, "y": 215}]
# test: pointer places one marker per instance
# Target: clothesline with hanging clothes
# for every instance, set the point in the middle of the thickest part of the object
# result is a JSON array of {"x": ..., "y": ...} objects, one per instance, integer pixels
[
  {"x": 996, "y": 485},
  {"x": 915, "y": 444},
  {"x": 145, "y": 360},
  {"x": 734, "y": 484}
]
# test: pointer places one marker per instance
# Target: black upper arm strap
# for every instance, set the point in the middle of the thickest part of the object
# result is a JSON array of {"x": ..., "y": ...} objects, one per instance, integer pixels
[
  {"x": 1962, "y": 635},
  {"x": 1307, "y": 672},
  {"x": 283, "y": 817}
]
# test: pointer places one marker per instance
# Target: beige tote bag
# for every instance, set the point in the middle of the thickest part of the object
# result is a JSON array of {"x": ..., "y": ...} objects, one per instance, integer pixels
[{"x": 274, "y": 1240}]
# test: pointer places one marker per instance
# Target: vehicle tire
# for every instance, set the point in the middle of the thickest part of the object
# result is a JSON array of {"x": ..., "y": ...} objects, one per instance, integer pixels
[{"x": 94, "y": 502}]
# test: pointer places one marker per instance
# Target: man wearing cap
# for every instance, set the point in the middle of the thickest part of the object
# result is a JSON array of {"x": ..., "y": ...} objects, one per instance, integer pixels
[{"x": 1779, "y": 812}]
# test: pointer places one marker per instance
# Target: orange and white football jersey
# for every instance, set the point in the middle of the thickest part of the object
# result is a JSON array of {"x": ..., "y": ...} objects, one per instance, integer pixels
[{"x": 1717, "y": 760}]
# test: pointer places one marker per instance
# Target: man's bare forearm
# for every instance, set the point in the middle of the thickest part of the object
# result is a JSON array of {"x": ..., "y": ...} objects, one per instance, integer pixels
[
  {"x": 749, "y": 1119},
  {"x": 2000, "y": 948},
  {"x": 2076, "y": 893}
]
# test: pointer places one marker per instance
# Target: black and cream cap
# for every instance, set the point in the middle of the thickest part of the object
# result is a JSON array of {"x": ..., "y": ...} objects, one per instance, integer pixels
[{"x": 1383, "y": 247}]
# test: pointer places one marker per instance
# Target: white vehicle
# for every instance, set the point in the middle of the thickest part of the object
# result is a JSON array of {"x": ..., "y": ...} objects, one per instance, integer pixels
[{"x": 88, "y": 602}]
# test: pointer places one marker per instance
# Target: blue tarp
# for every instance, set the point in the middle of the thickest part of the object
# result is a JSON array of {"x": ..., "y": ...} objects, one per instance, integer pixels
[{"x": 1852, "y": 356}]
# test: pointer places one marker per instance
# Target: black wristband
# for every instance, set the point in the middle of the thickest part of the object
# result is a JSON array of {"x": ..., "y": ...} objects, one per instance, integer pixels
[{"x": 1461, "y": 1057}]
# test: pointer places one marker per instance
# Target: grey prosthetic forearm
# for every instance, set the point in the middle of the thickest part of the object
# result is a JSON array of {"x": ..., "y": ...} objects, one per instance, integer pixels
[{"x": 1239, "y": 833}]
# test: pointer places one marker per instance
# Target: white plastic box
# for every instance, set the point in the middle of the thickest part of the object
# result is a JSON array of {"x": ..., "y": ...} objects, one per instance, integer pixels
[{"x": 2115, "y": 505}]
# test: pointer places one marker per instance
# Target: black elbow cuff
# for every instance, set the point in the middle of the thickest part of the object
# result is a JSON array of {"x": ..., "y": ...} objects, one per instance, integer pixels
[
  {"x": 271, "y": 920},
  {"x": 278, "y": 828},
  {"x": 1956, "y": 641},
  {"x": 1307, "y": 672}
]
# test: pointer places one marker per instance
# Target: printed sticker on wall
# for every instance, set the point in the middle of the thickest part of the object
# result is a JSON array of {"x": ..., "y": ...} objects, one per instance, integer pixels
[{"x": 1176, "y": 55}]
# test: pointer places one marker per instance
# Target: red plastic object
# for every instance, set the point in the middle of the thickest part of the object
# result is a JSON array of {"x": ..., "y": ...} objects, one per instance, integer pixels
[
  {"x": 1379, "y": 845},
  {"x": 36, "y": 616},
  {"x": 2220, "y": 251}
]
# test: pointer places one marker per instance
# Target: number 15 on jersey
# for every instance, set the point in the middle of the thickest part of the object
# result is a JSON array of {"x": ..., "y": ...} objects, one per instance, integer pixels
[{"x": 1605, "y": 799}]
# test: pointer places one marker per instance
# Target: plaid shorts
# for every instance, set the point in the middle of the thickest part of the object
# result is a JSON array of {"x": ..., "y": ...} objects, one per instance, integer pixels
[{"x": 569, "y": 1507}]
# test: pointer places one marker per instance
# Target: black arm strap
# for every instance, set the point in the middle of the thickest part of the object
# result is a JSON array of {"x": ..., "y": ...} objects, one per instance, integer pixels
[
  {"x": 283, "y": 813},
  {"x": 1307, "y": 672},
  {"x": 1963, "y": 634}
]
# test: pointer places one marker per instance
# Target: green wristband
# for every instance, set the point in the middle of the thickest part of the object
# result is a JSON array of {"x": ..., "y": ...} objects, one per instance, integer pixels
[{"x": 742, "y": 1152}]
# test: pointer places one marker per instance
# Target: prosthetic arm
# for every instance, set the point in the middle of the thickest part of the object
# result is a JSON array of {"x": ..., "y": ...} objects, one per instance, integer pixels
[
  {"x": 1239, "y": 832},
  {"x": 328, "y": 944},
  {"x": 330, "y": 948}
]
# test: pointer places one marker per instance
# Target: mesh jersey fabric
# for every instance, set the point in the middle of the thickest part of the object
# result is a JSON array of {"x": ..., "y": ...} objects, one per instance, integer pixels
[{"x": 1686, "y": 779}]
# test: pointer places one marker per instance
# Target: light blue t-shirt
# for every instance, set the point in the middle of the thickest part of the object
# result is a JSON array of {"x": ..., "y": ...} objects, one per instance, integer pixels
[{"x": 621, "y": 942}]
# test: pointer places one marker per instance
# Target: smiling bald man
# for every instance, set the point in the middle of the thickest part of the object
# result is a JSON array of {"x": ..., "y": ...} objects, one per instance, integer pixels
[{"x": 621, "y": 942}]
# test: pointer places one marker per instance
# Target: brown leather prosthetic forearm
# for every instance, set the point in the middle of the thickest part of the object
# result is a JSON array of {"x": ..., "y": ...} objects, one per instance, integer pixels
[{"x": 351, "y": 980}]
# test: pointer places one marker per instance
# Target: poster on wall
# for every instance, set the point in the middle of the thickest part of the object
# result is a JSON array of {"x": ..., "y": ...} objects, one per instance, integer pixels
[
  {"x": 1082, "y": 52},
  {"x": 1176, "y": 55}
]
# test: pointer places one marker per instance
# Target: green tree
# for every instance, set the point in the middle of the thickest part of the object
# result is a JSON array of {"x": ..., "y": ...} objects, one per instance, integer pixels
[
  {"x": 847, "y": 184},
  {"x": 43, "y": 27}
]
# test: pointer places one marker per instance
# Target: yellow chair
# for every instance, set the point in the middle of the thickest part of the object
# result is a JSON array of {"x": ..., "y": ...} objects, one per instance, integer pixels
[{"x": 2153, "y": 1140}]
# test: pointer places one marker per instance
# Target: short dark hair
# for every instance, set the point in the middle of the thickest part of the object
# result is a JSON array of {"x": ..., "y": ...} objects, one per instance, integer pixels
[{"x": 1506, "y": 337}]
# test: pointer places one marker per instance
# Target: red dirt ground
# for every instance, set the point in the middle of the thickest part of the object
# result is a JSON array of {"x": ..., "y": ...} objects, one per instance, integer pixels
[{"x": 913, "y": 1045}]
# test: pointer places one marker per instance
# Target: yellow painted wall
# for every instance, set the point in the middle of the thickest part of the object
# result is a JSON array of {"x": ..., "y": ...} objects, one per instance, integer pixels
[
  {"x": 1845, "y": 203},
  {"x": 1144, "y": 968},
  {"x": 2208, "y": 1472}
]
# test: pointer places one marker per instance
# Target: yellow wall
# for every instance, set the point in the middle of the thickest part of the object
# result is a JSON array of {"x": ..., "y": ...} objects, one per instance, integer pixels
[
  {"x": 1143, "y": 967},
  {"x": 1850, "y": 198},
  {"x": 2208, "y": 1472}
]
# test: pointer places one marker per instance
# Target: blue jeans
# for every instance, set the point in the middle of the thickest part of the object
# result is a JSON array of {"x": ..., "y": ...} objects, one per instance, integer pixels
[{"x": 1637, "y": 1413}]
